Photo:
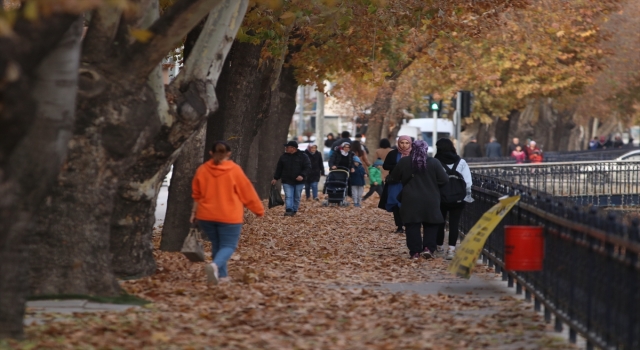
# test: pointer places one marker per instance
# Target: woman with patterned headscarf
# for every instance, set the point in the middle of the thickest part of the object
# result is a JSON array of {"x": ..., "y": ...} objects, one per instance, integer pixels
[
  {"x": 392, "y": 188},
  {"x": 421, "y": 177}
]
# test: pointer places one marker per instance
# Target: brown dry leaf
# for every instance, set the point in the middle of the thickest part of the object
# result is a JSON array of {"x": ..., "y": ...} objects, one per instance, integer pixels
[{"x": 308, "y": 282}]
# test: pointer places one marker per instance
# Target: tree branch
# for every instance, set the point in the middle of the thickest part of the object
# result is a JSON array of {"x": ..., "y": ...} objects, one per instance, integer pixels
[
  {"x": 207, "y": 57},
  {"x": 167, "y": 32},
  {"x": 102, "y": 29}
]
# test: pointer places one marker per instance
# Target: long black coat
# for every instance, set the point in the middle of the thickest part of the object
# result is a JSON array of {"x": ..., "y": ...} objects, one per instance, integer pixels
[
  {"x": 390, "y": 161},
  {"x": 317, "y": 167},
  {"x": 420, "y": 192}
]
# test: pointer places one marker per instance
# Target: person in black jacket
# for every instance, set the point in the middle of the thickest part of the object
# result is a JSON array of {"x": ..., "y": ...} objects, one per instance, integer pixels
[
  {"x": 342, "y": 157},
  {"x": 472, "y": 149},
  {"x": 317, "y": 170},
  {"x": 293, "y": 168}
]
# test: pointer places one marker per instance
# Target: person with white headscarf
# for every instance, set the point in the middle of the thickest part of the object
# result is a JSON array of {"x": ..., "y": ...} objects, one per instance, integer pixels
[{"x": 343, "y": 157}]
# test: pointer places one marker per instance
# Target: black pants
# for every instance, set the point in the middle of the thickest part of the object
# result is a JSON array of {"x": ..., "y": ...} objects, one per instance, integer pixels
[
  {"x": 455, "y": 211},
  {"x": 373, "y": 188},
  {"x": 415, "y": 241},
  {"x": 396, "y": 217}
]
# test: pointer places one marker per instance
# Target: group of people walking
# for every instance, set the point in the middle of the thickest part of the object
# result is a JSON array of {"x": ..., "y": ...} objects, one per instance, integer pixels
[
  {"x": 529, "y": 153},
  {"x": 422, "y": 191},
  {"x": 419, "y": 190}
]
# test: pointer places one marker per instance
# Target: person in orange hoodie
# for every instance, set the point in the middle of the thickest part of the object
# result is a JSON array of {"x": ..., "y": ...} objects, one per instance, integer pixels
[{"x": 220, "y": 191}]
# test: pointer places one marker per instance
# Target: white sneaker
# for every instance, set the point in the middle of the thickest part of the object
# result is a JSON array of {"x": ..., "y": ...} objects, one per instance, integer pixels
[
  {"x": 212, "y": 273},
  {"x": 450, "y": 254},
  {"x": 439, "y": 253}
]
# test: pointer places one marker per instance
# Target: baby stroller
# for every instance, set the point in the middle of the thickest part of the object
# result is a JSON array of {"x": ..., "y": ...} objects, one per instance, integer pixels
[{"x": 336, "y": 187}]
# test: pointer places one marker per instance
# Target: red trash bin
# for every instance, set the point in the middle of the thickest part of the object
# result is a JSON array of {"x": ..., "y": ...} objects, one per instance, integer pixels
[{"x": 523, "y": 248}]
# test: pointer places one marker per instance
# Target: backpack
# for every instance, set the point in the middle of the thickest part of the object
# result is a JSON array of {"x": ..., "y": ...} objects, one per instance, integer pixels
[{"x": 454, "y": 191}]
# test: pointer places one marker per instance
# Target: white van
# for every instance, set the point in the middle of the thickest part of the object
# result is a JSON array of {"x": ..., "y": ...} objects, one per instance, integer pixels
[{"x": 445, "y": 128}]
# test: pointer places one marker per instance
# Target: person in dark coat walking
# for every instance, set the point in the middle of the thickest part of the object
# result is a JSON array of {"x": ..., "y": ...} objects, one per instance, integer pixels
[
  {"x": 345, "y": 136},
  {"x": 472, "y": 149},
  {"x": 317, "y": 170},
  {"x": 421, "y": 177},
  {"x": 293, "y": 168},
  {"x": 494, "y": 149},
  {"x": 393, "y": 187}
]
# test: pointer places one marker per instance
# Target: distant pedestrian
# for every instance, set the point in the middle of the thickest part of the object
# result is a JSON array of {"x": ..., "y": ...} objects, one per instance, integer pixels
[
  {"x": 515, "y": 142},
  {"x": 381, "y": 154},
  {"x": 393, "y": 187},
  {"x": 593, "y": 144},
  {"x": 345, "y": 136},
  {"x": 617, "y": 141},
  {"x": 472, "y": 149},
  {"x": 421, "y": 176},
  {"x": 329, "y": 141},
  {"x": 357, "y": 182},
  {"x": 375, "y": 179},
  {"x": 360, "y": 138},
  {"x": 447, "y": 155},
  {"x": 220, "y": 191},
  {"x": 519, "y": 155},
  {"x": 317, "y": 170},
  {"x": 535, "y": 153},
  {"x": 494, "y": 149},
  {"x": 293, "y": 168},
  {"x": 358, "y": 150}
]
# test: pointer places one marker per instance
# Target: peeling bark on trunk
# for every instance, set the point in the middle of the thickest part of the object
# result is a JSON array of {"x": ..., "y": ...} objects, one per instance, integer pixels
[
  {"x": 379, "y": 111},
  {"x": 31, "y": 166},
  {"x": 73, "y": 228},
  {"x": 179, "y": 203},
  {"x": 193, "y": 99}
]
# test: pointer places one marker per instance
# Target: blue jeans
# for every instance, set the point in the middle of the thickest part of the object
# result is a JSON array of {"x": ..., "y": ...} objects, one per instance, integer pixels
[
  {"x": 224, "y": 241},
  {"x": 292, "y": 195},
  {"x": 309, "y": 187}
]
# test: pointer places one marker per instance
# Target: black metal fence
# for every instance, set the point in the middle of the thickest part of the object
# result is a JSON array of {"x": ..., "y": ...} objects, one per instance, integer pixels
[
  {"x": 591, "y": 276},
  {"x": 605, "y": 183},
  {"x": 564, "y": 156}
]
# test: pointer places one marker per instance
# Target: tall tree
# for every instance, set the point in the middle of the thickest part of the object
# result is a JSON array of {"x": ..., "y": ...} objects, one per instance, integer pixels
[{"x": 125, "y": 117}]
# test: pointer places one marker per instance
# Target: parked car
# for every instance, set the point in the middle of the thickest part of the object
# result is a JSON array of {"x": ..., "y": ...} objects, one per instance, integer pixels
[{"x": 630, "y": 156}]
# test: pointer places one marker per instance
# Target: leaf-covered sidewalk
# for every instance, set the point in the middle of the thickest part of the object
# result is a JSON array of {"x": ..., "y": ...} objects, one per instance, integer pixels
[{"x": 307, "y": 282}]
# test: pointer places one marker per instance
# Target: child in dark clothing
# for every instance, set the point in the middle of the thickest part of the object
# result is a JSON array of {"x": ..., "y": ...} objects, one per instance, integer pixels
[{"x": 357, "y": 181}]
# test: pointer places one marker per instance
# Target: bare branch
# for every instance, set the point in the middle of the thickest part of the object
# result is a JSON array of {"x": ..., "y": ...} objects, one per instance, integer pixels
[{"x": 167, "y": 33}]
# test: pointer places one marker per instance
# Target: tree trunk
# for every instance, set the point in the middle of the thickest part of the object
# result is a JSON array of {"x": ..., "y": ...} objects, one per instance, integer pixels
[
  {"x": 179, "y": 202},
  {"x": 274, "y": 133},
  {"x": 379, "y": 110},
  {"x": 244, "y": 91},
  {"x": 32, "y": 165},
  {"x": 194, "y": 100}
]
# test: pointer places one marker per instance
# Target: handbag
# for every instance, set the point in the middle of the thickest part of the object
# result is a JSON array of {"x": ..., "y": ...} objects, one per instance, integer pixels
[
  {"x": 192, "y": 248},
  {"x": 275, "y": 198}
]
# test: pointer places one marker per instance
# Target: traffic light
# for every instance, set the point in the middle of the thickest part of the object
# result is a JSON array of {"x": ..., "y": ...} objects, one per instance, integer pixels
[
  {"x": 466, "y": 103},
  {"x": 435, "y": 106}
]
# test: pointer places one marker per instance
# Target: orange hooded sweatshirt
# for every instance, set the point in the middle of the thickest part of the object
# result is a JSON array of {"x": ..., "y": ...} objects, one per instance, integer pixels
[{"x": 222, "y": 191}]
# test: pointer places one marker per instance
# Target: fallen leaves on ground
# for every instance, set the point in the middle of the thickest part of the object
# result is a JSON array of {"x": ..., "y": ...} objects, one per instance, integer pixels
[{"x": 304, "y": 282}]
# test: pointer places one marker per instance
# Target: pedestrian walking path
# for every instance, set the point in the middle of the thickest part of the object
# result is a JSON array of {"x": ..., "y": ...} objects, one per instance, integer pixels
[{"x": 327, "y": 278}]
